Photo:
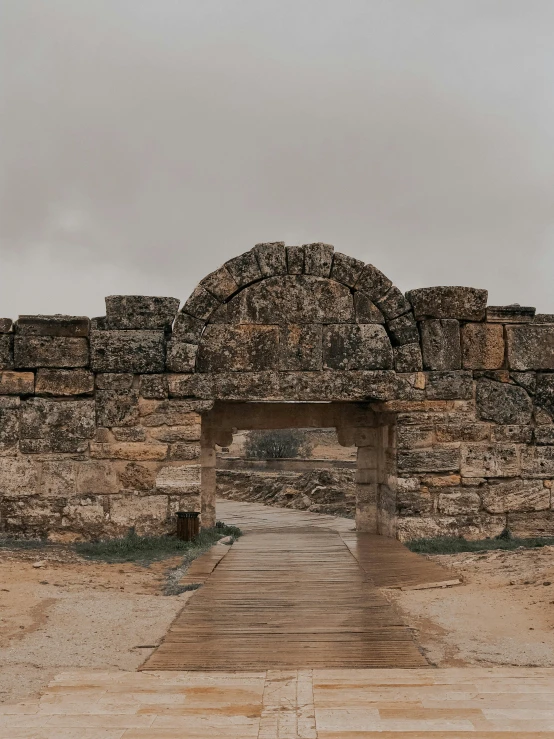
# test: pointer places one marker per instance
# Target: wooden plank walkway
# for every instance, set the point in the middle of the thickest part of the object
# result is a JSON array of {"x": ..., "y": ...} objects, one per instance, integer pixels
[{"x": 287, "y": 598}]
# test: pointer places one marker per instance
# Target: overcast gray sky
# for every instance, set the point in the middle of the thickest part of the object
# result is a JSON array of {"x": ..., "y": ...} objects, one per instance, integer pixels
[{"x": 144, "y": 142}]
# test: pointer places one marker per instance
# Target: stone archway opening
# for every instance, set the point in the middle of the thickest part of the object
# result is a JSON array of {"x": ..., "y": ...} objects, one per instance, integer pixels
[{"x": 356, "y": 424}]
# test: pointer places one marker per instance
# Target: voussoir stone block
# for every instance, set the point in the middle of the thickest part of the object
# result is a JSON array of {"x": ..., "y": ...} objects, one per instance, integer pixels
[
  {"x": 244, "y": 269},
  {"x": 490, "y": 460},
  {"x": 292, "y": 299},
  {"x": 117, "y": 408},
  {"x": 462, "y": 303},
  {"x": 48, "y": 425},
  {"x": 50, "y": 351},
  {"x": 366, "y": 310},
  {"x": 181, "y": 357},
  {"x": 515, "y": 495},
  {"x": 201, "y": 303},
  {"x": 17, "y": 383},
  {"x": 220, "y": 284},
  {"x": 440, "y": 341},
  {"x": 64, "y": 382},
  {"x": 373, "y": 282},
  {"x": 530, "y": 346},
  {"x": 482, "y": 346},
  {"x": 301, "y": 347},
  {"x": 56, "y": 325},
  {"x": 140, "y": 312},
  {"x": 364, "y": 346},
  {"x": 346, "y": 269},
  {"x": 407, "y": 358},
  {"x": 393, "y": 304},
  {"x": 238, "y": 348},
  {"x": 128, "y": 351},
  {"x": 295, "y": 260},
  {"x": 318, "y": 259},
  {"x": 503, "y": 403},
  {"x": 403, "y": 329},
  {"x": 6, "y": 352},
  {"x": 188, "y": 328},
  {"x": 272, "y": 258}
]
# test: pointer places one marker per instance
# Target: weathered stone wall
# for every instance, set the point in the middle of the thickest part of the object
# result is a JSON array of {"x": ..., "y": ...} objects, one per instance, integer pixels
[{"x": 100, "y": 420}]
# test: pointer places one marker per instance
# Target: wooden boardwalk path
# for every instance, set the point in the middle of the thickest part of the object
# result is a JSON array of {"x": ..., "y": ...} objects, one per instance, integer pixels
[{"x": 290, "y": 597}]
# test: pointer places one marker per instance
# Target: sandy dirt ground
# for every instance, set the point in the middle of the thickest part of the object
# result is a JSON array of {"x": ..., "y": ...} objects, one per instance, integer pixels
[
  {"x": 503, "y": 614},
  {"x": 69, "y": 612}
]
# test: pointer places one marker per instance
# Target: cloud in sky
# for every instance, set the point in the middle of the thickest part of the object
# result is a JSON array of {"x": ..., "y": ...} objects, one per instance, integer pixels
[{"x": 144, "y": 143}]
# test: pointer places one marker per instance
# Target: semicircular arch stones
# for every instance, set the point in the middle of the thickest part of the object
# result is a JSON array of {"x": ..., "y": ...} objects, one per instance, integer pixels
[{"x": 261, "y": 325}]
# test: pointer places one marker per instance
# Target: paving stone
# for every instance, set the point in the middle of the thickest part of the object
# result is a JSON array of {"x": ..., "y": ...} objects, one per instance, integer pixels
[
  {"x": 530, "y": 347},
  {"x": 440, "y": 342},
  {"x": 346, "y": 269},
  {"x": 462, "y": 303},
  {"x": 50, "y": 351},
  {"x": 56, "y": 325},
  {"x": 503, "y": 403},
  {"x": 482, "y": 346},
  {"x": 242, "y": 348},
  {"x": 356, "y": 347},
  {"x": 128, "y": 351},
  {"x": 301, "y": 347},
  {"x": 64, "y": 382},
  {"x": 272, "y": 258},
  {"x": 140, "y": 312}
]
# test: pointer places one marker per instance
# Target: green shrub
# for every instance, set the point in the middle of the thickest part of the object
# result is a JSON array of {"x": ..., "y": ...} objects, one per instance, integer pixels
[
  {"x": 278, "y": 444},
  {"x": 453, "y": 545}
]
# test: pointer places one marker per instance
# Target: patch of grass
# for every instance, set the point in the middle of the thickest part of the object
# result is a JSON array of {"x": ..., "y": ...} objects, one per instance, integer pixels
[
  {"x": 453, "y": 544},
  {"x": 7, "y": 542},
  {"x": 144, "y": 549}
]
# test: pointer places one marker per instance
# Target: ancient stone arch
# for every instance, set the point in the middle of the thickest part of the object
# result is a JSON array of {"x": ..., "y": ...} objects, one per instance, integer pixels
[{"x": 113, "y": 421}]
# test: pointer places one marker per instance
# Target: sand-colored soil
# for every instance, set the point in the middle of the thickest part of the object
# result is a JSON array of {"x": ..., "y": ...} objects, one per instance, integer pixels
[
  {"x": 73, "y": 613},
  {"x": 503, "y": 614}
]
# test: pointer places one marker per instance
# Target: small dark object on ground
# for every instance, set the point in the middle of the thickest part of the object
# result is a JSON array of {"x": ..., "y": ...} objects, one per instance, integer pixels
[{"x": 453, "y": 544}]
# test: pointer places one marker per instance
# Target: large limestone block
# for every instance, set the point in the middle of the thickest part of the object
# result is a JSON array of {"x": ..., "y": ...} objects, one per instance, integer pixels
[
  {"x": 515, "y": 495},
  {"x": 61, "y": 382},
  {"x": 538, "y": 461},
  {"x": 175, "y": 434},
  {"x": 440, "y": 342},
  {"x": 462, "y": 303},
  {"x": 50, "y": 351},
  {"x": 530, "y": 347},
  {"x": 131, "y": 451},
  {"x": 136, "y": 475},
  {"x": 366, "y": 310},
  {"x": 182, "y": 451},
  {"x": 128, "y": 351},
  {"x": 201, "y": 303},
  {"x": 292, "y": 299},
  {"x": 49, "y": 425},
  {"x": 414, "y": 437},
  {"x": 5, "y": 325},
  {"x": 414, "y": 502},
  {"x": 17, "y": 383},
  {"x": 272, "y": 258},
  {"x": 346, "y": 269},
  {"x": 453, "y": 385},
  {"x": 220, "y": 284},
  {"x": 178, "y": 480},
  {"x": 188, "y": 328},
  {"x": 458, "y": 501},
  {"x": 393, "y": 304},
  {"x": 403, "y": 329},
  {"x": 114, "y": 381},
  {"x": 295, "y": 260},
  {"x": 301, "y": 347},
  {"x": 526, "y": 525},
  {"x": 117, "y": 408},
  {"x": 6, "y": 352},
  {"x": 438, "y": 459},
  {"x": 58, "y": 478},
  {"x": 482, "y": 346},
  {"x": 244, "y": 269},
  {"x": 407, "y": 358},
  {"x": 9, "y": 427},
  {"x": 123, "y": 433},
  {"x": 544, "y": 435},
  {"x": 57, "y": 325},
  {"x": 356, "y": 347},
  {"x": 373, "y": 282},
  {"x": 473, "y": 526},
  {"x": 503, "y": 403},
  {"x": 318, "y": 259},
  {"x": 170, "y": 413},
  {"x": 19, "y": 477},
  {"x": 147, "y": 513},
  {"x": 510, "y": 314},
  {"x": 95, "y": 478},
  {"x": 490, "y": 460},
  {"x": 153, "y": 387},
  {"x": 456, "y": 432},
  {"x": 515, "y": 434},
  {"x": 242, "y": 348},
  {"x": 140, "y": 312},
  {"x": 181, "y": 357},
  {"x": 544, "y": 393}
]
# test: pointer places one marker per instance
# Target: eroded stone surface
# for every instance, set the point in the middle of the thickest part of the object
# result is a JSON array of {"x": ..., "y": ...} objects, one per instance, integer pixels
[
  {"x": 503, "y": 403},
  {"x": 128, "y": 351},
  {"x": 356, "y": 347},
  {"x": 6, "y": 352},
  {"x": 462, "y": 303},
  {"x": 346, "y": 269},
  {"x": 242, "y": 348},
  {"x": 272, "y": 258},
  {"x": 482, "y": 346},
  {"x": 50, "y": 351},
  {"x": 318, "y": 259},
  {"x": 515, "y": 495},
  {"x": 49, "y": 425},
  {"x": 440, "y": 342},
  {"x": 140, "y": 312},
  {"x": 56, "y": 325},
  {"x": 64, "y": 382},
  {"x": 530, "y": 347},
  {"x": 301, "y": 347}
]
